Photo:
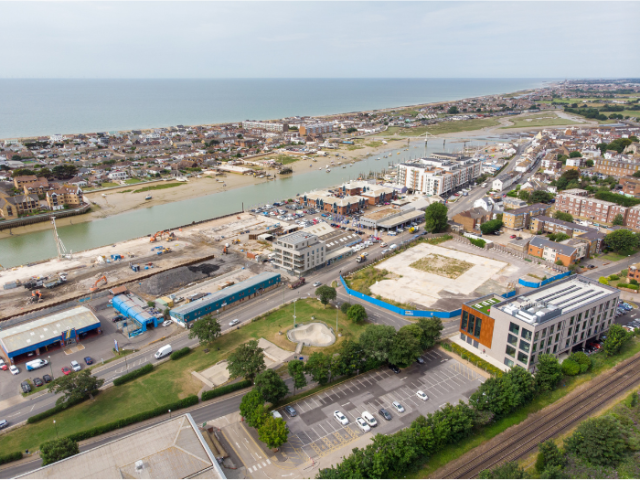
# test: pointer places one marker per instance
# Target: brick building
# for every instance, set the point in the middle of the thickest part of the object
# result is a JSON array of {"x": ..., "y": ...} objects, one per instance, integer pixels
[
  {"x": 553, "y": 251},
  {"x": 472, "y": 219},
  {"x": 616, "y": 168},
  {"x": 630, "y": 185},
  {"x": 520, "y": 218},
  {"x": 589, "y": 207}
]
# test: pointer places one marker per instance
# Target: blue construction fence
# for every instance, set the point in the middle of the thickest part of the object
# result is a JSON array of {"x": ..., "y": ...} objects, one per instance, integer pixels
[{"x": 543, "y": 282}]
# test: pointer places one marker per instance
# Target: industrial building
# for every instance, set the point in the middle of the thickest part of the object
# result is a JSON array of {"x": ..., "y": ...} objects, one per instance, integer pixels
[
  {"x": 556, "y": 319},
  {"x": 211, "y": 303},
  {"x": 23, "y": 341},
  {"x": 175, "y": 448},
  {"x": 391, "y": 218},
  {"x": 137, "y": 312}
]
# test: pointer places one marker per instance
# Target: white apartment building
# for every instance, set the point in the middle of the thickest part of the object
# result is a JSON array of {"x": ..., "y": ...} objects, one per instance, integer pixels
[
  {"x": 119, "y": 175},
  {"x": 268, "y": 126},
  {"x": 299, "y": 252},
  {"x": 437, "y": 176}
]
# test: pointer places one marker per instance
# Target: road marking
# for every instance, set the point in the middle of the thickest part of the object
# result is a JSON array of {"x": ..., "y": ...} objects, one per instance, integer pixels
[
  {"x": 268, "y": 461},
  {"x": 264, "y": 464},
  {"x": 345, "y": 404}
]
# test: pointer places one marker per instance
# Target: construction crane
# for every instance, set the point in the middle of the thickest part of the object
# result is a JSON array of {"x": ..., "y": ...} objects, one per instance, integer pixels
[{"x": 95, "y": 285}]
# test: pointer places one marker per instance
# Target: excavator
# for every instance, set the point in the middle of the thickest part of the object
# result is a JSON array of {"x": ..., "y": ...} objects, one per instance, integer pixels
[
  {"x": 35, "y": 297},
  {"x": 170, "y": 236},
  {"x": 95, "y": 285}
]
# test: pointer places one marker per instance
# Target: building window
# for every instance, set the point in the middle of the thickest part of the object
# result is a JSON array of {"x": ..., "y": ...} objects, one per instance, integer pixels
[
  {"x": 472, "y": 319},
  {"x": 555, "y": 348},
  {"x": 463, "y": 337},
  {"x": 478, "y": 327},
  {"x": 524, "y": 346},
  {"x": 508, "y": 363},
  {"x": 465, "y": 319},
  {"x": 569, "y": 332},
  {"x": 513, "y": 328},
  {"x": 533, "y": 358},
  {"x": 535, "y": 337},
  {"x": 557, "y": 337},
  {"x": 566, "y": 344},
  {"x": 526, "y": 334},
  {"x": 535, "y": 347},
  {"x": 511, "y": 351},
  {"x": 523, "y": 358},
  {"x": 579, "y": 316},
  {"x": 512, "y": 340},
  {"x": 541, "y": 344},
  {"x": 551, "y": 330}
]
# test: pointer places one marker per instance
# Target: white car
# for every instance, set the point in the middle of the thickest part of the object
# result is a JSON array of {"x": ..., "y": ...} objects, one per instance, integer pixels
[
  {"x": 340, "y": 417},
  {"x": 369, "y": 419},
  {"x": 14, "y": 370},
  {"x": 398, "y": 406},
  {"x": 383, "y": 244},
  {"x": 422, "y": 396},
  {"x": 76, "y": 366},
  {"x": 364, "y": 426},
  {"x": 234, "y": 322},
  {"x": 317, "y": 284},
  {"x": 166, "y": 323}
]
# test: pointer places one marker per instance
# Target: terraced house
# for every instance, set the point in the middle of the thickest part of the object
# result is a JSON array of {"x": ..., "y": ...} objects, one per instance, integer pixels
[{"x": 13, "y": 207}]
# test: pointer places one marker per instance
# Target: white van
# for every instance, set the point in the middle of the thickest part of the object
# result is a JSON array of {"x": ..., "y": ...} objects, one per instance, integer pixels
[
  {"x": 35, "y": 364},
  {"x": 163, "y": 352},
  {"x": 393, "y": 247}
]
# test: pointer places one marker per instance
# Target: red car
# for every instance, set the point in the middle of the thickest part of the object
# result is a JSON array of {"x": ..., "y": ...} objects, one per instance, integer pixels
[
  {"x": 512, "y": 236},
  {"x": 66, "y": 370}
]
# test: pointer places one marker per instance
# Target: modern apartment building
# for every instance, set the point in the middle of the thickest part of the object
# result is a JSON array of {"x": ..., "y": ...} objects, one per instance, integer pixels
[
  {"x": 66, "y": 195},
  {"x": 520, "y": 218},
  {"x": 438, "y": 176},
  {"x": 268, "y": 126},
  {"x": 589, "y": 207},
  {"x": 555, "y": 319},
  {"x": 616, "y": 168},
  {"x": 299, "y": 252},
  {"x": 13, "y": 207},
  {"x": 316, "y": 128}
]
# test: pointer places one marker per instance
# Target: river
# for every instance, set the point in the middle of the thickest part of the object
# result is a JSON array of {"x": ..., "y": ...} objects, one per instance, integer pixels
[{"x": 36, "y": 246}]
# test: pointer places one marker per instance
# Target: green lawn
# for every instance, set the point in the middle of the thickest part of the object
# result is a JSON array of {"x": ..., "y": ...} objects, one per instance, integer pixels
[
  {"x": 363, "y": 279},
  {"x": 132, "y": 181},
  {"x": 109, "y": 184},
  {"x": 374, "y": 144},
  {"x": 172, "y": 380},
  {"x": 613, "y": 257},
  {"x": 539, "y": 120},
  {"x": 601, "y": 364},
  {"x": 287, "y": 159},
  {"x": 389, "y": 131},
  {"x": 451, "y": 127},
  {"x": 161, "y": 186}
]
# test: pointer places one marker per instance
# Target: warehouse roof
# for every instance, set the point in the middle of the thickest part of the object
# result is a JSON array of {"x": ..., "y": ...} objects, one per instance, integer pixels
[
  {"x": 31, "y": 333},
  {"x": 171, "y": 449},
  {"x": 400, "y": 219},
  {"x": 227, "y": 292}
]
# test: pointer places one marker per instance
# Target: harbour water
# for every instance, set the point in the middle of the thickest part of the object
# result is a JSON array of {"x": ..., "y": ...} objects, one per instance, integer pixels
[
  {"x": 31, "y": 247},
  {"x": 32, "y": 107}
]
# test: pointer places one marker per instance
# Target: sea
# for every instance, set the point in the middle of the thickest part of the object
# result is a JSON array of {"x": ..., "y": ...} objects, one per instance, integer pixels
[{"x": 38, "y": 107}]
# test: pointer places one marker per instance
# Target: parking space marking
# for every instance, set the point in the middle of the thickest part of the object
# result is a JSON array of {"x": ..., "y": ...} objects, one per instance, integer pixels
[{"x": 323, "y": 429}]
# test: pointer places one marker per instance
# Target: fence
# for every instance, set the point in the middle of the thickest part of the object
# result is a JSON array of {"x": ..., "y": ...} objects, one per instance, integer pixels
[
  {"x": 543, "y": 282},
  {"x": 44, "y": 217}
]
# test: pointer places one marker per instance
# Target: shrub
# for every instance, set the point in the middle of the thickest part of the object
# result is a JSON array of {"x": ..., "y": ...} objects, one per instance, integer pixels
[
  {"x": 614, "y": 277},
  {"x": 478, "y": 242},
  {"x": 628, "y": 285},
  {"x": 217, "y": 392},
  {"x": 10, "y": 457},
  {"x": 633, "y": 281},
  {"x": 108, "y": 427},
  {"x": 467, "y": 355},
  {"x": 582, "y": 359},
  {"x": 133, "y": 375},
  {"x": 603, "y": 280},
  {"x": 58, "y": 449},
  {"x": 177, "y": 355},
  {"x": 570, "y": 368}
]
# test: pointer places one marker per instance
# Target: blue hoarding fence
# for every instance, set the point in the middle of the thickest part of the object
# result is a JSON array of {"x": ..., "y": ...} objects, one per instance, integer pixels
[
  {"x": 398, "y": 310},
  {"x": 544, "y": 282}
]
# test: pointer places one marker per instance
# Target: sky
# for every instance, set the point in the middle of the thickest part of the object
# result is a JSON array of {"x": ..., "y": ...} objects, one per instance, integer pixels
[{"x": 320, "y": 39}]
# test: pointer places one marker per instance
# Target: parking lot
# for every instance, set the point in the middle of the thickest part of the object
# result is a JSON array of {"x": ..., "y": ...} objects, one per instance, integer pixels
[{"x": 315, "y": 431}]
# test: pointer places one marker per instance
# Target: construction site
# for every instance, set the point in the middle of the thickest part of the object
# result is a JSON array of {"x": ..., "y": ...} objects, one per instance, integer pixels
[{"x": 151, "y": 267}]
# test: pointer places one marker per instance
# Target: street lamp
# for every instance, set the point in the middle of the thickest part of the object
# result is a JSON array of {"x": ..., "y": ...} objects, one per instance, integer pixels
[
  {"x": 169, "y": 413},
  {"x": 50, "y": 366},
  {"x": 56, "y": 427},
  {"x": 294, "y": 312}
]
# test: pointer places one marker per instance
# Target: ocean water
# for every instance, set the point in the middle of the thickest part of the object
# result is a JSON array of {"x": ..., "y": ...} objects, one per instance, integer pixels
[{"x": 33, "y": 107}]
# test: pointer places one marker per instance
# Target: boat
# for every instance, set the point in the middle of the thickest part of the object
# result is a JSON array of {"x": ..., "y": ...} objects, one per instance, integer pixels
[
  {"x": 378, "y": 158},
  {"x": 148, "y": 197},
  {"x": 320, "y": 168},
  {"x": 328, "y": 170}
]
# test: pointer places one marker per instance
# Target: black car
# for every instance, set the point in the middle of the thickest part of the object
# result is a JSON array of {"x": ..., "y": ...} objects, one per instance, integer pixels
[
  {"x": 88, "y": 360},
  {"x": 385, "y": 414},
  {"x": 290, "y": 410},
  {"x": 394, "y": 368},
  {"x": 26, "y": 388},
  {"x": 47, "y": 378},
  {"x": 420, "y": 360},
  {"x": 38, "y": 382},
  {"x": 117, "y": 318}
]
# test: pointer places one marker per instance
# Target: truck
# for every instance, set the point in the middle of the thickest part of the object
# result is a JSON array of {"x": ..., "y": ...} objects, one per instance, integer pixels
[
  {"x": 163, "y": 352},
  {"x": 361, "y": 258},
  {"x": 298, "y": 283},
  {"x": 53, "y": 282},
  {"x": 35, "y": 364}
]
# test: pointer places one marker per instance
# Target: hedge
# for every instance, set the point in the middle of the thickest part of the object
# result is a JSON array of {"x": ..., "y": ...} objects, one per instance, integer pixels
[
  {"x": 217, "y": 392},
  {"x": 477, "y": 242},
  {"x": 108, "y": 427},
  {"x": 10, "y": 457},
  {"x": 628, "y": 285},
  {"x": 466, "y": 354},
  {"x": 57, "y": 409},
  {"x": 180, "y": 353},
  {"x": 133, "y": 375}
]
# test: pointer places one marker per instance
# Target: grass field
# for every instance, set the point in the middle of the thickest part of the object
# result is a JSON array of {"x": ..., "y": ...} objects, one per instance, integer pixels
[
  {"x": 172, "y": 380},
  {"x": 132, "y": 181},
  {"x": 363, "y": 279},
  {"x": 287, "y": 159},
  {"x": 538, "y": 120},
  {"x": 451, "y": 127},
  {"x": 390, "y": 131},
  {"x": 108, "y": 184},
  {"x": 162, "y": 186},
  {"x": 374, "y": 144},
  {"x": 450, "y": 453}
]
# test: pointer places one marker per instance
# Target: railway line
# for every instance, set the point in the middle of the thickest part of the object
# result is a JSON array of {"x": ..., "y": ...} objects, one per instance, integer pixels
[{"x": 541, "y": 427}]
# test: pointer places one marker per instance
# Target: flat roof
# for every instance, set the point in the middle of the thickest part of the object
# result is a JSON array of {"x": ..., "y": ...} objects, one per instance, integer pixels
[
  {"x": 32, "y": 333},
  {"x": 557, "y": 298},
  {"x": 382, "y": 213},
  {"x": 484, "y": 304},
  {"x": 401, "y": 219},
  {"x": 171, "y": 449}
]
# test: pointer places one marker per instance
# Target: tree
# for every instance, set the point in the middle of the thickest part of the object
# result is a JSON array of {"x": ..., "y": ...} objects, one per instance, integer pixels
[
  {"x": 435, "y": 218},
  {"x": 405, "y": 348},
  {"x": 491, "y": 226},
  {"x": 506, "y": 470},
  {"x": 326, "y": 294},
  {"x": 431, "y": 328},
  {"x": 271, "y": 386},
  {"x": 252, "y": 408},
  {"x": 549, "y": 455},
  {"x": 453, "y": 110},
  {"x": 616, "y": 338},
  {"x": 350, "y": 359},
  {"x": 575, "y": 154},
  {"x": 618, "y": 219},
  {"x": 567, "y": 217},
  {"x": 377, "y": 340},
  {"x": 621, "y": 241},
  {"x": 523, "y": 195},
  {"x": 357, "y": 313},
  {"x": 65, "y": 171},
  {"x": 540, "y": 196},
  {"x": 274, "y": 432},
  {"x": 75, "y": 386},
  {"x": 246, "y": 361},
  {"x": 570, "y": 368},
  {"x": 548, "y": 373},
  {"x": 296, "y": 370},
  {"x": 319, "y": 367},
  {"x": 207, "y": 329},
  {"x": 589, "y": 163},
  {"x": 599, "y": 441},
  {"x": 58, "y": 449},
  {"x": 344, "y": 307}
]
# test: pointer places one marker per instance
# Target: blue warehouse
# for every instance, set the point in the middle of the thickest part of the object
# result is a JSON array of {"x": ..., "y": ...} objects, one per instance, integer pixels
[
  {"x": 185, "y": 314},
  {"x": 137, "y": 312}
]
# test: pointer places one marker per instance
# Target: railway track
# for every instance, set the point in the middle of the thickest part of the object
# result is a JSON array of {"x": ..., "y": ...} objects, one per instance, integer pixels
[{"x": 543, "y": 427}]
